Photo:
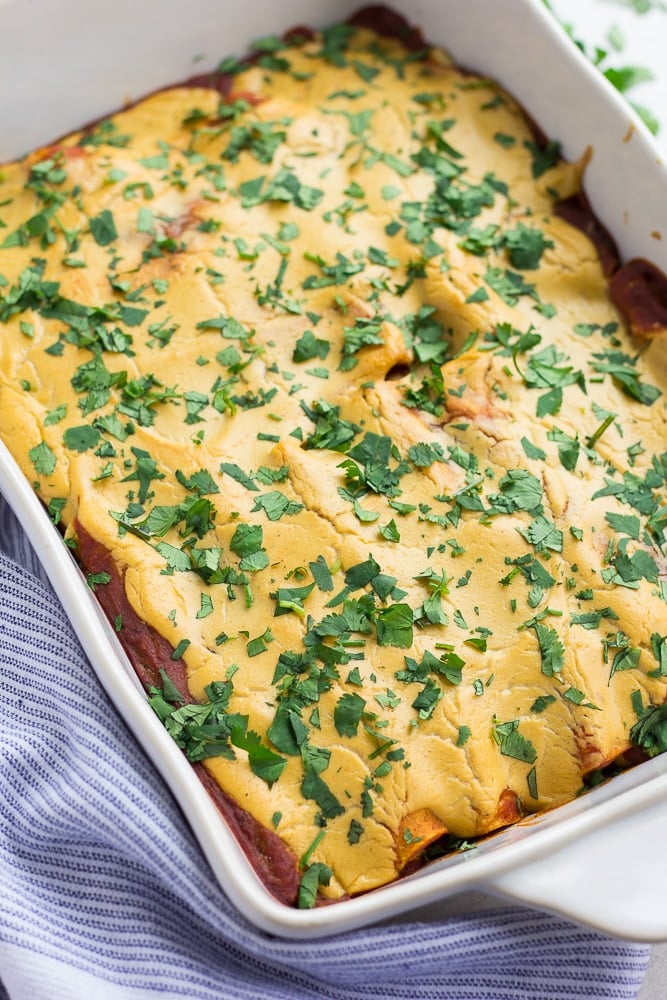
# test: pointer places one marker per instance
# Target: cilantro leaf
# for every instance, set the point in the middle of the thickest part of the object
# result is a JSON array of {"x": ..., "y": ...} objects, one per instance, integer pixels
[
  {"x": 258, "y": 645},
  {"x": 290, "y": 599},
  {"x": 308, "y": 346},
  {"x": 314, "y": 787},
  {"x": 366, "y": 332},
  {"x": 522, "y": 490},
  {"x": 42, "y": 458},
  {"x": 509, "y": 285},
  {"x": 552, "y": 651},
  {"x": 626, "y": 524},
  {"x": 347, "y": 714},
  {"x": 622, "y": 368},
  {"x": 321, "y": 574},
  {"x": 627, "y": 570},
  {"x": 532, "y": 451},
  {"x": 332, "y": 274},
  {"x": 394, "y": 626},
  {"x": 314, "y": 876},
  {"x": 659, "y": 648},
  {"x": 591, "y": 619},
  {"x": 331, "y": 431},
  {"x": 247, "y": 539},
  {"x": 544, "y": 370},
  {"x": 650, "y": 730},
  {"x": 81, "y": 438},
  {"x": 275, "y": 504},
  {"x": 542, "y": 702},
  {"x": 449, "y": 665},
  {"x": 543, "y": 534},
  {"x": 425, "y": 454},
  {"x": 427, "y": 699},
  {"x": 543, "y": 157},
  {"x": 285, "y": 186},
  {"x": 177, "y": 560},
  {"x": 264, "y": 762},
  {"x": 568, "y": 448},
  {"x": 525, "y": 247},
  {"x": 233, "y": 470},
  {"x": 626, "y": 658},
  {"x": 201, "y": 730},
  {"x": 512, "y": 743},
  {"x": 103, "y": 228},
  {"x": 288, "y": 732}
]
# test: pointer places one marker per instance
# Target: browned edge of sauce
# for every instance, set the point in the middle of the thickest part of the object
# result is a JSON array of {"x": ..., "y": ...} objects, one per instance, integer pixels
[{"x": 639, "y": 290}]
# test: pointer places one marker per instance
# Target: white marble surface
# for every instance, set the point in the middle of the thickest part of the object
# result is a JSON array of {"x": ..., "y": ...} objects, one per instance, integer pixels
[
  {"x": 644, "y": 44},
  {"x": 655, "y": 984}
]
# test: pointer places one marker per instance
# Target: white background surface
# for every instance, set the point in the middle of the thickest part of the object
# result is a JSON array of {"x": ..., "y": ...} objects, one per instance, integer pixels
[{"x": 645, "y": 44}]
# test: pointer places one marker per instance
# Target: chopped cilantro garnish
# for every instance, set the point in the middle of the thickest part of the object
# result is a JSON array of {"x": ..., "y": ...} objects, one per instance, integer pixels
[
  {"x": 314, "y": 787},
  {"x": 512, "y": 743},
  {"x": 622, "y": 368},
  {"x": 275, "y": 504},
  {"x": 525, "y": 246},
  {"x": 290, "y": 599},
  {"x": 321, "y": 574},
  {"x": 568, "y": 448},
  {"x": 331, "y": 431},
  {"x": 314, "y": 876},
  {"x": 347, "y": 714},
  {"x": 364, "y": 333},
  {"x": 103, "y": 228},
  {"x": 81, "y": 438},
  {"x": 659, "y": 648},
  {"x": 425, "y": 454},
  {"x": 650, "y": 731},
  {"x": 264, "y": 762},
  {"x": 542, "y": 702},
  {"x": 233, "y": 470},
  {"x": 42, "y": 458},
  {"x": 395, "y": 626},
  {"x": 464, "y": 735},
  {"x": 308, "y": 346},
  {"x": 543, "y": 534},
  {"x": 543, "y": 157},
  {"x": 626, "y": 656},
  {"x": 285, "y": 186},
  {"x": 552, "y": 651},
  {"x": 260, "y": 643}
]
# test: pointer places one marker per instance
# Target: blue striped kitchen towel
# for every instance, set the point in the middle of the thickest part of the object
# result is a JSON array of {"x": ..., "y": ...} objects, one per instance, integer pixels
[{"x": 104, "y": 894}]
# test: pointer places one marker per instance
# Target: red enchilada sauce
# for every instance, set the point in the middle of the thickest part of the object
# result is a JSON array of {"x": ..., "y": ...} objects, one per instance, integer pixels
[{"x": 149, "y": 653}]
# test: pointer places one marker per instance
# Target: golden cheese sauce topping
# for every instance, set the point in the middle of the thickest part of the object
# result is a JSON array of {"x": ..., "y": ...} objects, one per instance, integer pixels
[{"x": 351, "y": 407}]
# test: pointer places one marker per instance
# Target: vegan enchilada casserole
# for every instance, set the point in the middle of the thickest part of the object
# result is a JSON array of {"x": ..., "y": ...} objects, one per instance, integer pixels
[{"x": 357, "y": 427}]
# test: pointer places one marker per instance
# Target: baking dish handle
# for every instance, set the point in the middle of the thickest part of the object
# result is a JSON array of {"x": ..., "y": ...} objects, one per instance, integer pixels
[{"x": 604, "y": 878}]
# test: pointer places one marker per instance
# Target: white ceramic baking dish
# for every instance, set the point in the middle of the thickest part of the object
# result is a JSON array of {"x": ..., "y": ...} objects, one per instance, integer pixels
[{"x": 65, "y": 62}]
